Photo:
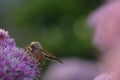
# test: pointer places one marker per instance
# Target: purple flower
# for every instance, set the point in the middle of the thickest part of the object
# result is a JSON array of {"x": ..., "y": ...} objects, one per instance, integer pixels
[
  {"x": 72, "y": 69},
  {"x": 15, "y": 64},
  {"x": 5, "y": 39}
]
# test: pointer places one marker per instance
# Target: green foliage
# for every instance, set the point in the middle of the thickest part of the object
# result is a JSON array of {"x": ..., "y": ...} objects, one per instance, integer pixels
[{"x": 58, "y": 24}]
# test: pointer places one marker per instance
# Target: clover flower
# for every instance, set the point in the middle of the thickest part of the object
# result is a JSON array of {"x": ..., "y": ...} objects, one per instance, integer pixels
[{"x": 15, "y": 64}]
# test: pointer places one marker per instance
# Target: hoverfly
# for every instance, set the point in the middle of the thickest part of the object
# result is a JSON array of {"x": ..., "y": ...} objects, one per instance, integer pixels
[{"x": 36, "y": 51}]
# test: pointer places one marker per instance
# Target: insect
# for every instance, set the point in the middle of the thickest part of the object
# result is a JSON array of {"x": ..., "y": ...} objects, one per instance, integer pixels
[{"x": 35, "y": 50}]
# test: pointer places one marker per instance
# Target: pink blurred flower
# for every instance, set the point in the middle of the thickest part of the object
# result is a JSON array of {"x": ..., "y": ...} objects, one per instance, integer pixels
[
  {"x": 109, "y": 76},
  {"x": 106, "y": 23},
  {"x": 110, "y": 65},
  {"x": 106, "y": 76},
  {"x": 72, "y": 69}
]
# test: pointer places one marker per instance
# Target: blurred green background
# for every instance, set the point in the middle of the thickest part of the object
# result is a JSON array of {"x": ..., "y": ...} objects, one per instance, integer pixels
[{"x": 59, "y": 25}]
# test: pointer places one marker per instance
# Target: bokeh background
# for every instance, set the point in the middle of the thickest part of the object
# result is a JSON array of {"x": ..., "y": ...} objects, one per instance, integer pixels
[{"x": 59, "y": 25}]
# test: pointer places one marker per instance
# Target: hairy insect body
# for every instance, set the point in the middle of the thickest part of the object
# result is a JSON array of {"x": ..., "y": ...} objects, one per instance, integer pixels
[{"x": 35, "y": 50}]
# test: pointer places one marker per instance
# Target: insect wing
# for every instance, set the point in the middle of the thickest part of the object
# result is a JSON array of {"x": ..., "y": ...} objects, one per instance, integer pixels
[{"x": 50, "y": 56}]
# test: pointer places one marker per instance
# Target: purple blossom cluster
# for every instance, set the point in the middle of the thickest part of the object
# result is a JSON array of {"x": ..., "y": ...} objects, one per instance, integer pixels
[
  {"x": 15, "y": 64},
  {"x": 72, "y": 69}
]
